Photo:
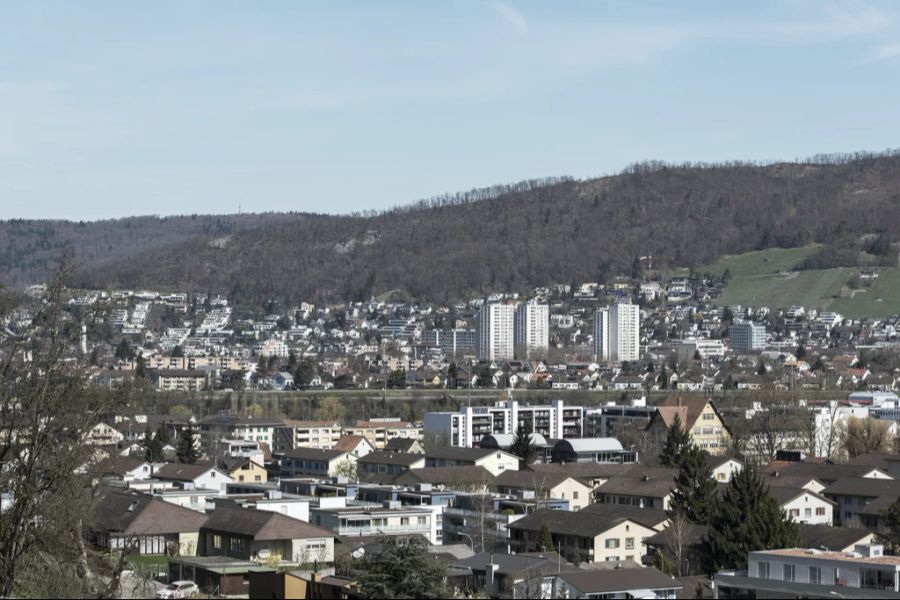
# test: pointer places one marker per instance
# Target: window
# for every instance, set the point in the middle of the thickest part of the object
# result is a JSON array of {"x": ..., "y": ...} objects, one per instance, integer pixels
[
  {"x": 404, "y": 520},
  {"x": 762, "y": 570},
  {"x": 629, "y": 543},
  {"x": 815, "y": 575},
  {"x": 574, "y": 495},
  {"x": 820, "y": 511},
  {"x": 795, "y": 512},
  {"x": 807, "y": 512},
  {"x": 217, "y": 541},
  {"x": 789, "y": 572},
  {"x": 612, "y": 543},
  {"x": 422, "y": 520}
]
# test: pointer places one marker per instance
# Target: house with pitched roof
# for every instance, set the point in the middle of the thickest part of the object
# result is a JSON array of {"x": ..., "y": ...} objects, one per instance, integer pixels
[
  {"x": 250, "y": 534},
  {"x": 699, "y": 417},
  {"x": 140, "y": 524},
  {"x": 540, "y": 486}
]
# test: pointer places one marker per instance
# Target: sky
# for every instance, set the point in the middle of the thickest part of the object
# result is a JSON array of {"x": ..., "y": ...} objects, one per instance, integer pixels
[{"x": 111, "y": 109}]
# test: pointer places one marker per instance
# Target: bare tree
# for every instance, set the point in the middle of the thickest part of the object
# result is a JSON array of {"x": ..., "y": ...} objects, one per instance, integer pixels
[
  {"x": 860, "y": 436},
  {"x": 46, "y": 412}
]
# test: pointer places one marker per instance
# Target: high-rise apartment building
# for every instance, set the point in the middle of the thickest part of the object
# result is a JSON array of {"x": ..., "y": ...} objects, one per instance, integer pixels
[
  {"x": 617, "y": 332},
  {"x": 494, "y": 332},
  {"x": 532, "y": 330}
]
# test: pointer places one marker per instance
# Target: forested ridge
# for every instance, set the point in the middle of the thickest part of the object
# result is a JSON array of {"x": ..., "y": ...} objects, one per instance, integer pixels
[{"x": 503, "y": 238}]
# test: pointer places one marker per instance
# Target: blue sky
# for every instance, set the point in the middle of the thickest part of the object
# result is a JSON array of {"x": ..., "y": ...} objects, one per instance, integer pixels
[{"x": 110, "y": 109}]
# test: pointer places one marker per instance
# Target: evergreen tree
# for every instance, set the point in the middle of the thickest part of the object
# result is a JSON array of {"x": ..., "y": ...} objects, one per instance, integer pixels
[
  {"x": 891, "y": 529},
  {"x": 695, "y": 489},
  {"x": 677, "y": 441},
  {"x": 523, "y": 446},
  {"x": 123, "y": 350},
  {"x": 185, "y": 451},
  {"x": 163, "y": 435},
  {"x": 748, "y": 518},
  {"x": 153, "y": 449},
  {"x": 545, "y": 539},
  {"x": 401, "y": 570}
]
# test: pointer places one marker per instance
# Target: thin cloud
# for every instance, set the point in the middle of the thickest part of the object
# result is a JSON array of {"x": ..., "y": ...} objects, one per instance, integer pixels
[
  {"x": 511, "y": 16},
  {"x": 886, "y": 51}
]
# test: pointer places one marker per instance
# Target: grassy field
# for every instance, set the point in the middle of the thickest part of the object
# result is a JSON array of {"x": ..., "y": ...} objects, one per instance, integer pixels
[
  {"x": 763, "y": 262},
  {"x": 764, "y": 279}
]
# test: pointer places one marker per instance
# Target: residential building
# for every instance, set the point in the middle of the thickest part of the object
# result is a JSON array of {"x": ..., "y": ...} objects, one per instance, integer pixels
[
  {"x": 380, "y": 431},
  {"x": 315, "y": 462},
  {"x": 391, "y": 519},
  {"x": 139, "y": 524},
  {"x": 617, "y": 332},
  {"x": 383, "y": 466},
  {"x": 625, "y": 582},
  {"x": 250, "y": 534},
  {"x": 494, "y": 332},
  {"x": 233, "y": 427},
  {"x": 306, "y": 434},
  {"x": 201, "y": 475},
  {"x": 542, "y": 486},
  {"x": 532, "y": 331},
  {"x": 466, "y": 428},
  {"x": 604, "y": 534},
  {"x": 178, "y": 380},
  {"x": 495, "y": 461},
  {"x": 746, "y": 335},
  {"x": 698, "y": 416},
  {"x": 813, "y": 573}
]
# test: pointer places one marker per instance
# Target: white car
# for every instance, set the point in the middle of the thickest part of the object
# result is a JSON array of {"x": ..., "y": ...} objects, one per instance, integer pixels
[{"x": 178, "y": 589}]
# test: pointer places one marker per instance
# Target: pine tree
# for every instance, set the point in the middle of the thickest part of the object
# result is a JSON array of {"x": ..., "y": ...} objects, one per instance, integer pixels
[
  {"x": 545, "y": 539},
  {"x": 523, "y": 446},
  {"x": 748, "y": 518},
  {"x": 695, "y": 489},
  {"x": 153, "y": 449},
  {"x": 891, "y": 529},
  {"x": 185, "y": 451},
  {"x": 163, "y": 435},
  {"x": 677, "y": 441}
]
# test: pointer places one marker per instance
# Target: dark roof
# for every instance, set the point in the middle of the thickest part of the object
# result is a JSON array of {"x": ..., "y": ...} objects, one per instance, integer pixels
[
  {"x": 693, "y": 536},
  {"x": 608, "y": 581},
  {"x": 545, "y": 562},
  {"x": 529, "y": 480},
  {"x": 878, "y": 506},
  {"x": 401, "y": 444},
  {"x": 830, "y": 538},
  {"x": 786, "y": 494},
  {"x": 313, "y": 454},
  {"x": 261, "y": 525},
  {"x": 593, "y": 470},
  {"x": 349, "y": 443},
  {"x": 139, "y": 514},
  {"x": 581, "y": 523},
  {"x": 824, "y": 472},
  {"x": 717, "y": 461},
  {"x": 863, "y": 486},
  {"x": 446, "y": 476},
  {"x": 648, "y": 486},
  {"x": 647, "y": 517},
  {"x": 234, "y": 420},
  {"x": 382, "y": 457},
  {"x": 790, "y": 481},
  {"x": 875, "y": 459},
  {"x": 461, "y": 454},
  {"x": 183, "y": 472}
]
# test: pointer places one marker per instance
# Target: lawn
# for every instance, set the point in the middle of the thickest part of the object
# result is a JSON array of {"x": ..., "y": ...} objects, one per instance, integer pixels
[
  {"x": 824, "y": 289},
  {"x": 762, "y": 262}
]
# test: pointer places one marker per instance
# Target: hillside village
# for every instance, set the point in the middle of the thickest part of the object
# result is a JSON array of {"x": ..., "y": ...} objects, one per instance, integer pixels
[{"x": 509, "y": 499}]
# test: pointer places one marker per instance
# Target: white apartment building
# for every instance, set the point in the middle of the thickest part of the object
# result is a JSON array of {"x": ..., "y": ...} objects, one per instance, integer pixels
[
  {"x": 617, "y": 332},
  {"x": 813, "y": 573},
  {"x": 747, "y": 336},
  {"x": 532, "y": 330},
  {"x": 466, "y": 427},
  {"x": 494, "y": 332},
  {"x": 689, "y": 347}
]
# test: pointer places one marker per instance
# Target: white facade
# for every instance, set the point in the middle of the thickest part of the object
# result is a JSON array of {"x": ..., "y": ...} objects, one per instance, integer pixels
[
  {"x": 532, "y": 330},
  {"x": 494, "y": 327},
  {"x": 617, "y": 332},
  {"x": 466, "y": 427}
]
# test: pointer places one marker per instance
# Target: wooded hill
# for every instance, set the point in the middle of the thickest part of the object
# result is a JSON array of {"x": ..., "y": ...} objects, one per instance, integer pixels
[{"x": 505, "y": 238}]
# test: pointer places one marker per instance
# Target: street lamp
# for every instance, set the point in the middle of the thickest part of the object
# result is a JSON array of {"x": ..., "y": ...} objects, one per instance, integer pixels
[{"x": 471, "y": 539}]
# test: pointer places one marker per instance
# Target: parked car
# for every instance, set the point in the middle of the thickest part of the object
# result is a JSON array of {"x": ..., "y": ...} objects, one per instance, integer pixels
[{"x": 178, "y": 589}]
